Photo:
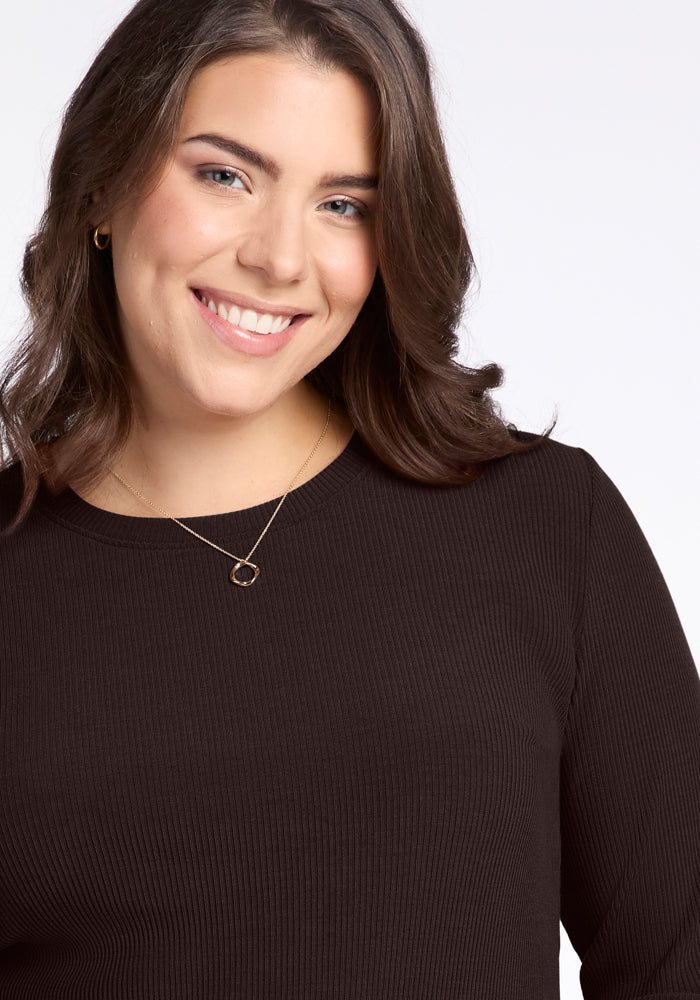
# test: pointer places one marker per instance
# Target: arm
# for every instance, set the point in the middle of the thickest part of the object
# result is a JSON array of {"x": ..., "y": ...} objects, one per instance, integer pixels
[{"x": 630, "y": 776}]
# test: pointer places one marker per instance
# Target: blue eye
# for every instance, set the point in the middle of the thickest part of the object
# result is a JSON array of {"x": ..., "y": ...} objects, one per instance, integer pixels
[
  {"x": 223, "y": 177},
  {"x": 343, "y": 207}
]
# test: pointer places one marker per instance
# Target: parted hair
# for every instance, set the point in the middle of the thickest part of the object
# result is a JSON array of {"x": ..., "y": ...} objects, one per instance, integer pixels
[{"x": 421, "y": 412}]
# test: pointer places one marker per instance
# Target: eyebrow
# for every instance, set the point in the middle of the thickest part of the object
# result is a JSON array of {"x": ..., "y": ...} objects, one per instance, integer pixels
[{"x": 363, "y": 182}]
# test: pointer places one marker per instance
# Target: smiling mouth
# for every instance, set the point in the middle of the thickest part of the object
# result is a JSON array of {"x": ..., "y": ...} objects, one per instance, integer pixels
[{"x": 247, "y": 319}]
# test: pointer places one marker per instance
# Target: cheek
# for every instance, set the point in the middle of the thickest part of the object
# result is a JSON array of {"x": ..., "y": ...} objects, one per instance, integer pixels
[
  {"x": 165, "y": 234},
  {"x": 350, "y": 275}
]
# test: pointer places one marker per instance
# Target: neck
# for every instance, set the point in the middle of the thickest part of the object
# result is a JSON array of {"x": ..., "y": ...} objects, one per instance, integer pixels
[{"x": 227, "y": 465}]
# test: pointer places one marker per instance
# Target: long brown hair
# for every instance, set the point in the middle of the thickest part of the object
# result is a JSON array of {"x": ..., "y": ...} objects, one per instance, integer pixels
[{"x": 422, "y": 413}]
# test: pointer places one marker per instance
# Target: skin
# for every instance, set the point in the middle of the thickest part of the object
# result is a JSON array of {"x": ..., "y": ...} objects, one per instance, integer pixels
[{"x": 295, "y": 232}]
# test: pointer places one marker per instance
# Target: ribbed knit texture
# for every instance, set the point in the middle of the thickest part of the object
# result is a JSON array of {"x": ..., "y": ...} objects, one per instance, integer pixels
[{"x": 441, "y": 720}]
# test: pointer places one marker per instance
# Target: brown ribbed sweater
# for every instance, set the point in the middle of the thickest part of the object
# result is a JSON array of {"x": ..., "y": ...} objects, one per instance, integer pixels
[{"x": 441, "y": 720}]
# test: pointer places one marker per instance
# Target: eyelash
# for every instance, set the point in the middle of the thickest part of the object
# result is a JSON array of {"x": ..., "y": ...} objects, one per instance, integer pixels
[
  {"x": 357, "y": 205},
  {"x": 205, "y": 172}
]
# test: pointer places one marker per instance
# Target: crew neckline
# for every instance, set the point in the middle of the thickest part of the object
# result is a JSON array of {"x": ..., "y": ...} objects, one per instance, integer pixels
[{"x": 75, "y": 513}]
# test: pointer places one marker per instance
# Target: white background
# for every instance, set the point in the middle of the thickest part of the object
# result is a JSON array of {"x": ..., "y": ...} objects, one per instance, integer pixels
[{"x": 575, "y": 140}]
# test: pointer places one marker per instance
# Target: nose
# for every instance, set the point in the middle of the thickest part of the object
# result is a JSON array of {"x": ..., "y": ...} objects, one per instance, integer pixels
[{"x": 275, "y": 244}]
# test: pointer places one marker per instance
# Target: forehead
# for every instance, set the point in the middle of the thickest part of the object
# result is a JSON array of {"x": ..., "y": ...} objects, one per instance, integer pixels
[{"x": 283, "y": 103}]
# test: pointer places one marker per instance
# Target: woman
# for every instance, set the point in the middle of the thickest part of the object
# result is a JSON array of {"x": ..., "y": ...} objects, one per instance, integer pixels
[{"x": 319, "y": 680}]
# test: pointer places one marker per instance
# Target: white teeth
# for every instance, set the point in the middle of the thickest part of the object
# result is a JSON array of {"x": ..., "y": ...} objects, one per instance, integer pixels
[
  {"x": 249, "y": 320},
  {"x": 264, "y": 324}
]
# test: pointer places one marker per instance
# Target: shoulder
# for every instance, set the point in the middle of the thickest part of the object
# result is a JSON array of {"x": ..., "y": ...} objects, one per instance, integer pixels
[
  {"x": 558, "y": 488},
  {"x": 545, "y": 511},
  {"x": 543, "y": 496},
  {"x": 11, "y": 487},
  {"x": 551, "y": 464},
  {"x": 552, "y": 477},
  {"x": 559, "y": 479},
  {"x": 11, "y": 496},
  {"x": 546, "y": 481},
  {"x": 532, "y": 505}
]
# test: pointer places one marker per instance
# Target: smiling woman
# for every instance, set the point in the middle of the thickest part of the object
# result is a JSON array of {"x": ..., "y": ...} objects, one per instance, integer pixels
[
  {"x": 340, "y": 126},
  {"x": 237, "y": 277},
  {"x": 447, "y": 705}
]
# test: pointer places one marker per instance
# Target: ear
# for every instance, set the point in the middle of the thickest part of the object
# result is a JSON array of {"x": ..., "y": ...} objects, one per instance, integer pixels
[{"x": 97, "y": 221}]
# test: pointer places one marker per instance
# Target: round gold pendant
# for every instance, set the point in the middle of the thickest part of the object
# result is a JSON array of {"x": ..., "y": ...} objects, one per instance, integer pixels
[{"x": 241, "y": 564}]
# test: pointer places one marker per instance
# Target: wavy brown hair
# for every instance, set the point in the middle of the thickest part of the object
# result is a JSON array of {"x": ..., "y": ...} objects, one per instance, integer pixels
[{"x": 423, "y": 414}]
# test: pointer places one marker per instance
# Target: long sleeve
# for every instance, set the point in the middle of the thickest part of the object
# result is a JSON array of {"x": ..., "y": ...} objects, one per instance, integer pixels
[
  {"x": 345, "y": 781},
  {"x": 630, "y": 775}
]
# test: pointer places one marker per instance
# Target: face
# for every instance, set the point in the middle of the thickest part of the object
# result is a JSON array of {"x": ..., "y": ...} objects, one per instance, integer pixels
[{"x": 249, "y": 261}]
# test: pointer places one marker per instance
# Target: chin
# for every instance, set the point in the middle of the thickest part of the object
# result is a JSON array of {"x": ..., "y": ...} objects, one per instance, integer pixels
[{"x": 233, "y": 404}]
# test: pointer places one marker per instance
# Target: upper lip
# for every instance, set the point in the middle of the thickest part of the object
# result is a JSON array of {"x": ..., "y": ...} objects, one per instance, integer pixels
[{"x": 246, "y": 302}]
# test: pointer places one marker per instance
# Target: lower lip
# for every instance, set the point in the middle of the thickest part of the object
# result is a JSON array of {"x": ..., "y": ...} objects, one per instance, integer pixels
[{"x": 261, "y": 345}]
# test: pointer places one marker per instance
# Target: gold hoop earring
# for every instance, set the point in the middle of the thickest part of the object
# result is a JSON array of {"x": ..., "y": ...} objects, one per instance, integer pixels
[{"x": 96, "y": 239}]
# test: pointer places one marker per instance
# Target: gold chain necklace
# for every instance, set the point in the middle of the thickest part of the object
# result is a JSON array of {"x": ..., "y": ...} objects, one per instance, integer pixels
[{"x": 239, "y": 563}]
